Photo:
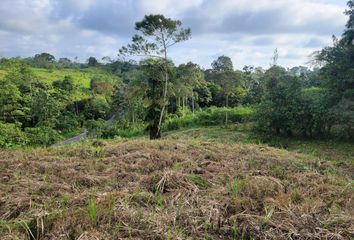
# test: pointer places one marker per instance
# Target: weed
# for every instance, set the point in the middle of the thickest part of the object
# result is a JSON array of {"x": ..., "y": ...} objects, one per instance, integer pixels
[
  {"x": 197, "y": 180},
  {"x": 299, "y": 165},
  {"x": 265, "y": 219},
  {"x": 159, "y": 199},
  {"x": 169, "y": 234},
  {"x": 234, "y": 230},
  {"x": 64, "y": 201},
  {"x": 329, "y": 171},
  {"x": 177, "y": 166},
  {"x": 234, "y": 187},
  {"x": 92, "y": 210},
  {"x": 279, "y": 172},
  {"x": 17, "y": 175},
  {"x": 130, "y": 231}
]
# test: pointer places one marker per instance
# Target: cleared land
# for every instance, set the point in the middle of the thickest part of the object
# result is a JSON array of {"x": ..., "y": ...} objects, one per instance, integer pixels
[{"x": 177, "y": 188}]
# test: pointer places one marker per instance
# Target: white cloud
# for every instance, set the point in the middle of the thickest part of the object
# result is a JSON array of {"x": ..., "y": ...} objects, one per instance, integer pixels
[
  {"x": 248, "y": 31},
  {"x": 169, "y": 7},
  {"x": 83, "y": 4}
]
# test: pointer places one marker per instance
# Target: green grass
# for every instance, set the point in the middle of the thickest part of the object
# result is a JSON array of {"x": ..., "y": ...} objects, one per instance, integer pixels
[
  {"x": 80, "y": 77},
  {"x": 235, "y": 133},
  {"x": 210, "y": 117},
  {"x": 2, "y": 73},
  {"x": 340, "y": 153}
]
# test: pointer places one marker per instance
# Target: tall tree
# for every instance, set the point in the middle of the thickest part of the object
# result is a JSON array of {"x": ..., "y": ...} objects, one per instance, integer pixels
[
  {"x": 338, "y": 78},
  {"x": 222, "y": 64},
  {"x": 156, "y": 35},
  {"x": 189, "y": 78},
  {"x": 92, "y": 62},
  {"x": 224, "y": 75},
  {"x": 348, "y": 35}
]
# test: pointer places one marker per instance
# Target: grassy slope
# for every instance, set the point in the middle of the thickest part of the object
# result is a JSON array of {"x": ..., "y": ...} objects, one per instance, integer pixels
[
  {"x": 203, "y": 183},
  {"x": 2, "y": 73},
  {"x": 81, "y": 77},
  {"x": 340, "y": 153}
]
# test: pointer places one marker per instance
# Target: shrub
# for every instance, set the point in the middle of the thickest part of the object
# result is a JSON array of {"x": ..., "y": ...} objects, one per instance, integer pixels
[
  {"x": 11, "y": 135},
  {"x": 117, "y": 130},
  {"x": 99, "y": 129},
  {"x": 95, "y": 127},
  {"x": 42, "y": 135},
  {"x": 210, "y": 116}
]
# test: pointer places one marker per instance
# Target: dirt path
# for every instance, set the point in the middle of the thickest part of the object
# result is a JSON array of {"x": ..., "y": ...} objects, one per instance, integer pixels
[{"x": 81, "y": 136}]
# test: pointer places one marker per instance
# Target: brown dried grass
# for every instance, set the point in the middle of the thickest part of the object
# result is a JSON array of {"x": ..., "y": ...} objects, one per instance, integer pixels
[{"x": 172, "y": 190}]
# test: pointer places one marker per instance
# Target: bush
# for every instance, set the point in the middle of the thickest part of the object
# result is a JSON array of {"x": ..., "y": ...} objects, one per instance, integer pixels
[
  {"x": 95, "y": 127},
  {"x": 96, "y": 108},
  {"x": 119, "y": 131},
  {"x": 99, "y": 129},
  {"x": 210, "y": 116},
  {"x": 42, "y": 135},
  {"x": 11, "y": 135}
]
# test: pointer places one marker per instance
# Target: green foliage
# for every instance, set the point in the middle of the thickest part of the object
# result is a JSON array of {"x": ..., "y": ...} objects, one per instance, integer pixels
[
  {"x": 42, "y": 135},
  {"x": 230, "y": 92},
  {"x": 117, "y": 130},
  {"x": 281, "y": 105},
  {"x": 96, "y": 107},
  {"x": 196, "y": 179},
  {"x": 99, "y": 129},
  {"x": 46, "y": 106},
  {"x": 66, "y": 85},
  {"x": 10, "y": 101},
  {"x": 190, "y": 84},
  {"x": 92, "y": 62},
  {"x": 11, "y": 135},
  {"x": 43, "y": 60},
  {"x": 92, "y": 210},
  {"x": 210, "y": 116},
  {"x": 153, "y": 96},
  {"x": 157, "y": 34},
  {"x": 54, "y": 98},
  {"x": 337, "y": 75},
  {"x": 234, "y": 187},
  {"x": 223, "y": 64}
]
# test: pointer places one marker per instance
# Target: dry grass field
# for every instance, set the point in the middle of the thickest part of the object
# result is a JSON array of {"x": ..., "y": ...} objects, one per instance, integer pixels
[{"x": 173, "y": 189}]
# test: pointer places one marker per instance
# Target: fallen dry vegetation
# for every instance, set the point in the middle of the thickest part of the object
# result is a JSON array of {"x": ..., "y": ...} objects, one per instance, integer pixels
[{"x": 172, "y": 190}]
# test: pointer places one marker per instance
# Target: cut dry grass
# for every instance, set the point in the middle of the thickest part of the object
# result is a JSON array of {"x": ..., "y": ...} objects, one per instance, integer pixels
[{"x": 172, "y": 190}]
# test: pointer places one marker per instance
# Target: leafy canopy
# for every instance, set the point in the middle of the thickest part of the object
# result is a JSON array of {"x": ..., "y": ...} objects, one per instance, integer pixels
[{"x": 157, "y": 34}]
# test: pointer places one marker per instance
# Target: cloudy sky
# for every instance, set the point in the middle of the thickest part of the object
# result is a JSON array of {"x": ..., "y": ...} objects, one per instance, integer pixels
[{"x": 246, "y": 30}]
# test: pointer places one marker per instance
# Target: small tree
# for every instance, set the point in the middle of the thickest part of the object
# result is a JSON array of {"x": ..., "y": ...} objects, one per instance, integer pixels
[
  {"x": 157, "y": 35},
  {"x": 229, "y": 80},
  {"x": 92, "y": 62},
  {"x": 280, "y": 108}
]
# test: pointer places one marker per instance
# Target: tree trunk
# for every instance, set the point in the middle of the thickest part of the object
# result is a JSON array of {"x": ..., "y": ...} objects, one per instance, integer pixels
[
  {"x": 154, "y": 130},
  {"x": 193, "y": 104},
  {"x": 227, "y": 104},
  {"x": 158, "y": 134}
]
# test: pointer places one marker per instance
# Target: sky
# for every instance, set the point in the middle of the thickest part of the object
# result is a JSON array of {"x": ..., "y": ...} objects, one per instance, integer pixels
[{"x": 248, "y": 31}]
